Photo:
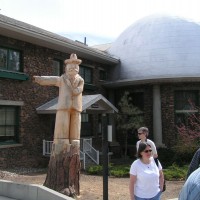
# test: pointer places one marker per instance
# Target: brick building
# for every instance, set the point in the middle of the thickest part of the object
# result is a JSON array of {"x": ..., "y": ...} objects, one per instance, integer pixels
[
  {"x": 26, "y": 51},
  {"x": 156, "y": 59}
]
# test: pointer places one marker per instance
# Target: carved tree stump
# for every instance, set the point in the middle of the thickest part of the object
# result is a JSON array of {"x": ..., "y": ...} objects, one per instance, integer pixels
[{"x": 64, "y": 169}]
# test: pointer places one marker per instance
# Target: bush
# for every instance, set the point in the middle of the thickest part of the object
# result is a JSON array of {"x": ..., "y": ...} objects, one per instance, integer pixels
[
  {"x": 166, "y": 157},
  {"x": 95, "y": 170},
  {"x": 120, "y": 171},
  {"x": 184, "y": 151},
  {"x": 175, "y": 172},
  {"x": 116, "y": 171},
  {"x": 180, "y": 156}
]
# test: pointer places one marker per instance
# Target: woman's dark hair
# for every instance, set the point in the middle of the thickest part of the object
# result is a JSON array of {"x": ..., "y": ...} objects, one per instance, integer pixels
[{"x": 141, "y": 148}]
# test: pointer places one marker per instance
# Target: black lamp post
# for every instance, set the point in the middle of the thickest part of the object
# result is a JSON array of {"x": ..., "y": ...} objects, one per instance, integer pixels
[{"x": 105, "y": 156}]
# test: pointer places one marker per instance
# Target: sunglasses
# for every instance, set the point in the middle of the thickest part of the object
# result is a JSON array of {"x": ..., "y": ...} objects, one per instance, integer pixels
[{"x": 148, "y": 151}]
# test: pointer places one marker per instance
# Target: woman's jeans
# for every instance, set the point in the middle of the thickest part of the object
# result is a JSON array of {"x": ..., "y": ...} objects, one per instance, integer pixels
[{"x": 157, "y": 197}]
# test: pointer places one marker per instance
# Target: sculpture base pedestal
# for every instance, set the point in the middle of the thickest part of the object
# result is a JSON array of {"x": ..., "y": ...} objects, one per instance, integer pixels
[{"x": 64, "y": 168}]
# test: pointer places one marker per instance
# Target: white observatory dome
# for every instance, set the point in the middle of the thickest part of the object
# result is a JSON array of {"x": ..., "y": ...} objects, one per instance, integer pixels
[{"x": 157, "y": 47}]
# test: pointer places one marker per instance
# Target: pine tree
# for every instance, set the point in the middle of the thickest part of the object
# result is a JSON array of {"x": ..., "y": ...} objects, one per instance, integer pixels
[{"x": 129, "y": 117}]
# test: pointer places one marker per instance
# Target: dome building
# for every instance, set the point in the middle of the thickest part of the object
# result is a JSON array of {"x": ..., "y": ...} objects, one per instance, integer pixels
[{"x": 160, "y": 66}]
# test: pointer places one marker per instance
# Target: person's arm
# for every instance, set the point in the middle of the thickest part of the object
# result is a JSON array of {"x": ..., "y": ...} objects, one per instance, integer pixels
[
  {"x": 131, "y": 186},
  {"x": 194, "y": 163},
  {"x": 161, "y": 180}
]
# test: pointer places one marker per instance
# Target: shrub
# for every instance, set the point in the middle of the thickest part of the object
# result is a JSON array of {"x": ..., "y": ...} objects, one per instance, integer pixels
[
  {"x": 175, "y": 155},
  {"x": 116, "y": 171},
  {"x": 95, "y": 170},
  {"x": 175, "y": 172},
  {"x": 166, "y": 157},
  {"x": 120, "y": 171}
]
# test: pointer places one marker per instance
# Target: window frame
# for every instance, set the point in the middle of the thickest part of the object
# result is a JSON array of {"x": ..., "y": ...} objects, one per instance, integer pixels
[
  {"x": 103, "y": 75},
  {"x": 10, "y": 68},
  {"x": 86, "y": 125},
  {"x": 60, "y": 67},
  {"x": 83, "y": 75},
  {"x": 4, "y": 140},
  {"x": 181, "y": 116}
]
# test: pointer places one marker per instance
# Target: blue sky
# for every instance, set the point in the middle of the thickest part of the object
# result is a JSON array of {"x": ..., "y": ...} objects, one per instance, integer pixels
[{"x": 100, "y": 21}]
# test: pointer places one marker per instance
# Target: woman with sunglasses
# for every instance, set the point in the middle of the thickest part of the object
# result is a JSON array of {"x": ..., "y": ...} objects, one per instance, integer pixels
[
  {"x": 146, "y": 178},
  {"x": 143, "y": 133}
]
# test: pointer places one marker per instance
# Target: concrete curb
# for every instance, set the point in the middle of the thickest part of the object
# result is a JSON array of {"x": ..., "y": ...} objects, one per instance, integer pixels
[
  {"x": 29, "y": 192},
  {"x": 173, "y": 199}
]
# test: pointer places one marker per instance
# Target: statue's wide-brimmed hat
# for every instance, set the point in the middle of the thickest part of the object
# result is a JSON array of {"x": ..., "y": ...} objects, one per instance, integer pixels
[{"x": 73, "y": 60}]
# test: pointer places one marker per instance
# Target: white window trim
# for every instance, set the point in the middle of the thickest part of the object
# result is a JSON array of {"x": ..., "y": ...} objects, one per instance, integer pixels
[
  {"x": 11, "y": 103},
  {"x": 186, "y": 111}
]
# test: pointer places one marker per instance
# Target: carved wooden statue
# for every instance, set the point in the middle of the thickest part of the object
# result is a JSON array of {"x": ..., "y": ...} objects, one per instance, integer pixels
[
  {"x": 64, "y": 165},
  {"x": 68, "y": 118}
]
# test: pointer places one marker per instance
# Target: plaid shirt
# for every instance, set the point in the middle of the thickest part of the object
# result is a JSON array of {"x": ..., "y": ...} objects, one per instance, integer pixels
[
  {"x": 191, "y": 188},
  {"x": 194, "y": 163}
]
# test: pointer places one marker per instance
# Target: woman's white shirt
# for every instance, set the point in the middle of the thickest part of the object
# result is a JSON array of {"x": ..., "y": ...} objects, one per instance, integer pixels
[
  {"x": 151, "y": 143},
  {"x": 147, "y": 178}
]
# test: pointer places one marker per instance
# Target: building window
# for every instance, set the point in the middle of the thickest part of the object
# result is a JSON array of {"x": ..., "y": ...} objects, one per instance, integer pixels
[
  {"x": 9, "y": 124},
  {"x": 86, "y": 125},
  {"x": 84, "y": 118},
  {"x": 10, "y": 59},
  {"x": 86, "y": 74},
  {"x": 102, "y": 75},
  {"x": 57, "y": 69},
  {"x": 186, "y": 103}
]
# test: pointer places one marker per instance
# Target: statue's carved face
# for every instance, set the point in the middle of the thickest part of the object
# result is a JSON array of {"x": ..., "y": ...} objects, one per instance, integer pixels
[{"x": 72, "y": 69}]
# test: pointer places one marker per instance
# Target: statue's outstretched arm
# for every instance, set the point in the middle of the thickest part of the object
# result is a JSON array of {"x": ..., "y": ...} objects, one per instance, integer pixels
[{"x": 47, "y": 80}]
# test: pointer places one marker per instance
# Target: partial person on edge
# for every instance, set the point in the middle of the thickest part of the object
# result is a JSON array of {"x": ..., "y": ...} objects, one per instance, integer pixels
[
  {"x": 194, "y": 164},
  {"x": 191, "y": 188}
]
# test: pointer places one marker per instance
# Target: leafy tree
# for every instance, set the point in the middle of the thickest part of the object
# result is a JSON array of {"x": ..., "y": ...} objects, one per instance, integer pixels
[
  {"x": 188, "y": 140},
  {"x": 129, "y": 117}
]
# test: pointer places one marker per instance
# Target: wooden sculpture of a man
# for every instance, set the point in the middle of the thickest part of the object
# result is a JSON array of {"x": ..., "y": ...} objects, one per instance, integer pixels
[
  {"x": 64, "y": 165},
  {"x": 68, "y": 117}
]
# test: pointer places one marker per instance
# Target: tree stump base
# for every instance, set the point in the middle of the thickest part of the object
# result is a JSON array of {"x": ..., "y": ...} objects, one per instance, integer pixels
[{"x": 64, "y": 168}]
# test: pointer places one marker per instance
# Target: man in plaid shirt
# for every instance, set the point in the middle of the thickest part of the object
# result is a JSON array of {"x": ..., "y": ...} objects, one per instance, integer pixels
[{"x": 191, "y": 188}]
